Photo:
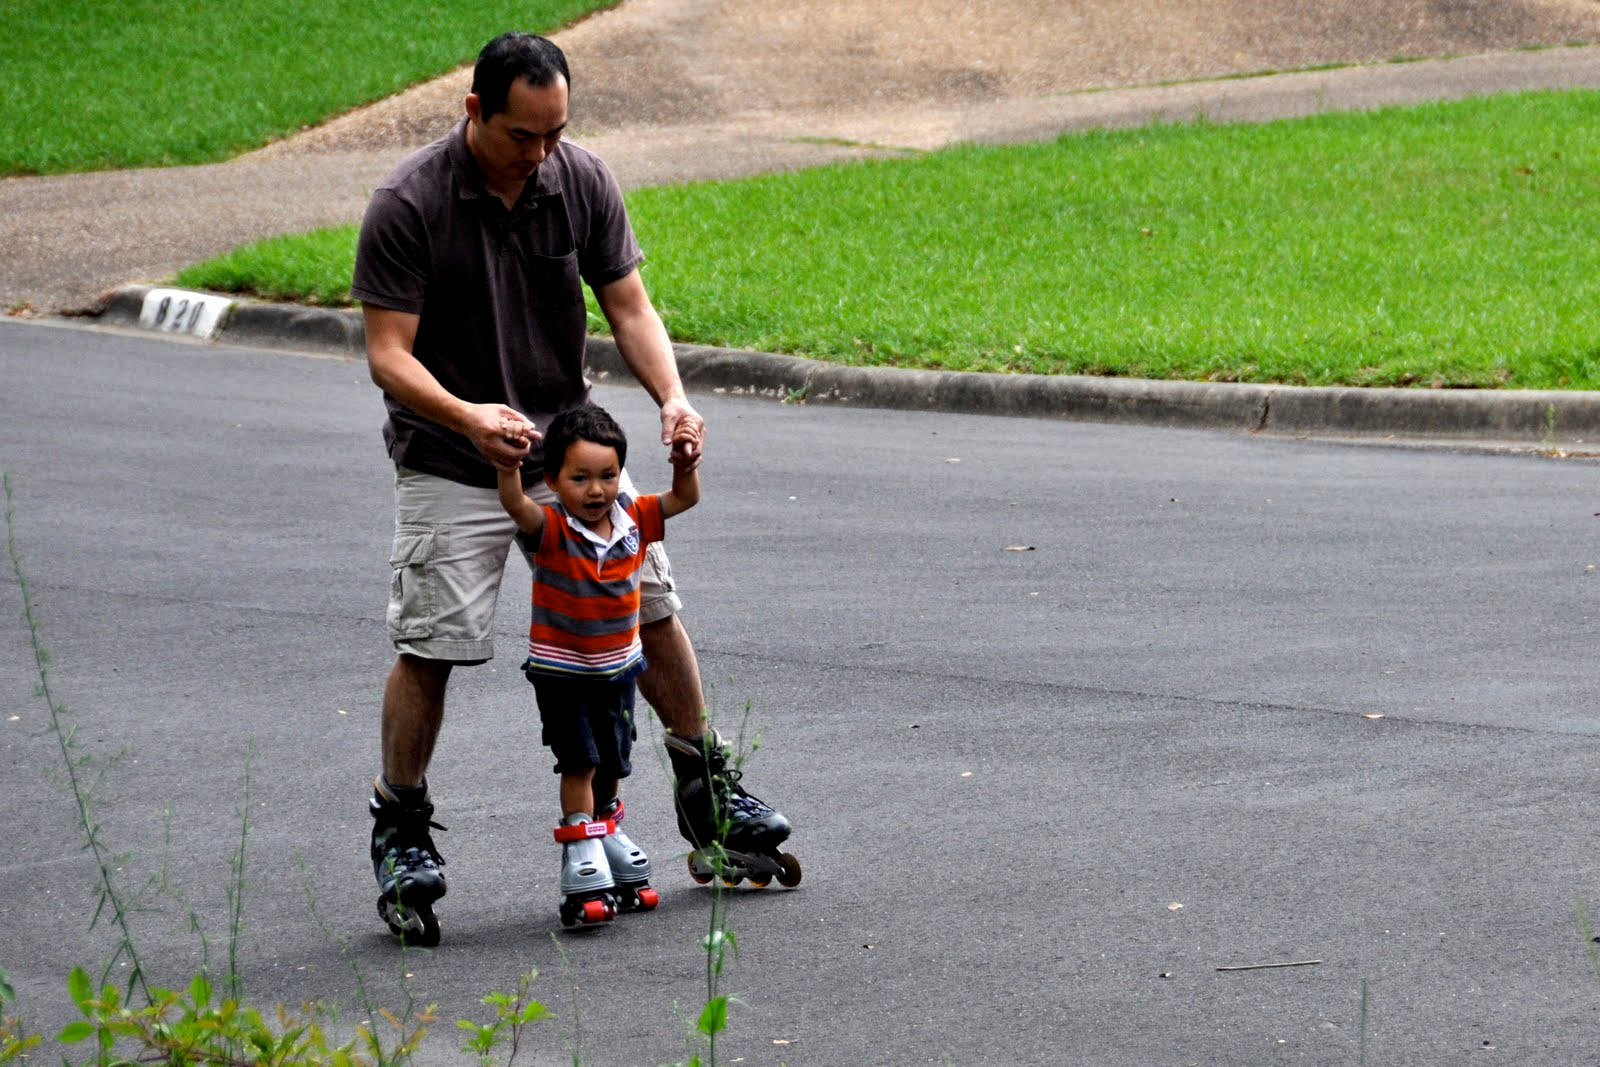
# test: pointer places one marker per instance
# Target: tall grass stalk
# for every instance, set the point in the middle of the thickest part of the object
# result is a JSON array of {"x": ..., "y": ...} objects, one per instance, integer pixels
[
  {"x": 236, "y": 883},
  {"x": 77, "y": 765},
  {"x": 410, "y": 1024},
  {"x": 1362, "y": 1023}
]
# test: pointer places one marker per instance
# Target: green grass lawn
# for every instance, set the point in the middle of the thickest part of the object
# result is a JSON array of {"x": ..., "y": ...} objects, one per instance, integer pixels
[
  {"x": 93, "y": 84},
  {"x": 1453, "y": 244}
]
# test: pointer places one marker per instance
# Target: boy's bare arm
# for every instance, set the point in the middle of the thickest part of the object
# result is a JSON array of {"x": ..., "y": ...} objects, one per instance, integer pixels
[
  {"x": 685, "y": 491},
  {"x": 528, "y": 516}
]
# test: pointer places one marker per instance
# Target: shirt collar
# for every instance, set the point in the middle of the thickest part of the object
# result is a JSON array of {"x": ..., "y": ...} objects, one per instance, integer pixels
[{"x": 622, "y": 525}]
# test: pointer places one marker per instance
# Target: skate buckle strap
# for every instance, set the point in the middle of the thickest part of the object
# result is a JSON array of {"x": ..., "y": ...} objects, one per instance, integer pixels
[{"x": 582, "y": 831}]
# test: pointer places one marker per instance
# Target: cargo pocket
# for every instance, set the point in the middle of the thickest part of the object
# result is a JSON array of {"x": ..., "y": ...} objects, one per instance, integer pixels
[{"x": 411, "y": 593}]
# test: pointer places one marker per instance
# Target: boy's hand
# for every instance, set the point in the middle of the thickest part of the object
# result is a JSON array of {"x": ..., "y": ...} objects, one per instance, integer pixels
[{"x": 688, "y": 439}]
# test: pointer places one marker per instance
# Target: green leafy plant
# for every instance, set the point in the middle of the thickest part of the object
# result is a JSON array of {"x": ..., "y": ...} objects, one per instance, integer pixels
[
  {"x": 189, "y": 1027},
  {"x": 14, "y": 1041},
  {"x": 513, "y": 1012}
]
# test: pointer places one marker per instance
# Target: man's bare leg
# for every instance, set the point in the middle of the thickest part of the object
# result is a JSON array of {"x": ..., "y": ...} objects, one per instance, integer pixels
[
  {"x": 671, "y": 680},
  {"x": 413, "y": 712}
]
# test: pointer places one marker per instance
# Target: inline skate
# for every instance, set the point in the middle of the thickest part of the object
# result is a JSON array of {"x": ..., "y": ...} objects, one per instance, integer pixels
[
  {"x": 630, "y": 867},
  {"x": 405, "y": 861},
  {"x": 588, "y": 892},
  {"x": 735, "y": 835}
]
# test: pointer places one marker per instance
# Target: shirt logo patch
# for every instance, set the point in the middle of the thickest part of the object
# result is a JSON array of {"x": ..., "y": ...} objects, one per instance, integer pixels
[{"x": 630, "y": 542}]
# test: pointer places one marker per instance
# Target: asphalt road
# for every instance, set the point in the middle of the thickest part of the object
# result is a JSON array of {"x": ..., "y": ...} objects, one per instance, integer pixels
[{"x": 1067, "y": 716}]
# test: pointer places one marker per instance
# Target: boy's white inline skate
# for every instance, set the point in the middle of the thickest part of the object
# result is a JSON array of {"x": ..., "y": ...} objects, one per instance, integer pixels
[
  {"x": 630, "y": 867},
  {"x": 588, "y": 892}
]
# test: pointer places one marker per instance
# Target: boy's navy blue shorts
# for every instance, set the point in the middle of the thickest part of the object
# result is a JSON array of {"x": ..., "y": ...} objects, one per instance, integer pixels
[{"x": 588, "y": 722}]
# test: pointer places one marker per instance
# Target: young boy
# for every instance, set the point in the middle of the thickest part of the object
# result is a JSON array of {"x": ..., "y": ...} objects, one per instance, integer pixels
[{"x": 583, "y": 643}]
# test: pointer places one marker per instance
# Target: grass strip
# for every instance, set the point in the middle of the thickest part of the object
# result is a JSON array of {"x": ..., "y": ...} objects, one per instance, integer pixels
[
  {"x": 1452, "y": 244},
  {"x": 97, "y": 84}
]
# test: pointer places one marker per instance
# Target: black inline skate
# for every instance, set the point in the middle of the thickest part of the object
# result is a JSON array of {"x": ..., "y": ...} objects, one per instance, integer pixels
[
  {"x": 406, "y": 863},
  {"x": 735, "y": 835}
]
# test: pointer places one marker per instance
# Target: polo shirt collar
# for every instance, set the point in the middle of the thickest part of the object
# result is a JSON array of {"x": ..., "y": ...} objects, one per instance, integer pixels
[{"x": 622, "y": 525}]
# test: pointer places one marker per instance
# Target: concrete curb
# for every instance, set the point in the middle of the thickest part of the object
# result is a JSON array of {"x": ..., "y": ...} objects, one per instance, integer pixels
[{"x": 1522, "y": 420}]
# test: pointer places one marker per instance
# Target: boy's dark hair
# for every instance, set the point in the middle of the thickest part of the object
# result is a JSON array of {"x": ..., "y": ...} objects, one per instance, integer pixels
[
  {"x": 537, "y": 60},
  {"x": 586, "y": 423}
]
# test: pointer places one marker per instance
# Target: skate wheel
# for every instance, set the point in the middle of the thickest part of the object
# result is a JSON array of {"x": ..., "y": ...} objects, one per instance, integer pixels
[
  {"x": 413, "y": 926},
  {"x": 761, "y": 881},
  {"x": 789, "y": 877},
  {"x": 732, "y": 880},
  {"x": 648, "y": 899},
  {"x": 701, "y": 876},
  {"x": 596, "y": 911}
]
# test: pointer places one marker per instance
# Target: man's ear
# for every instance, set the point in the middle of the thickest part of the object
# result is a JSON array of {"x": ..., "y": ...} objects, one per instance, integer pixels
[{"x": 474, "y": 106}]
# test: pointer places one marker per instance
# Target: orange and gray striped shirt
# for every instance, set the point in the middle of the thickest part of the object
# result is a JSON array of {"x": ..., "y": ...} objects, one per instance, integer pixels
[{"x": 586, "y": 592}]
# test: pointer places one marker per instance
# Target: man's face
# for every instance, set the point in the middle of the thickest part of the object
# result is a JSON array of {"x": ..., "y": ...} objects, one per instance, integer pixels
[{"x": 511, "y": 144}]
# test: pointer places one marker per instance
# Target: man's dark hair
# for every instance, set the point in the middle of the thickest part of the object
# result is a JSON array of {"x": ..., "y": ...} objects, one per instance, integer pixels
[
  {"x": 510, "y": 56},
  {"x": 586, "y": 423}
]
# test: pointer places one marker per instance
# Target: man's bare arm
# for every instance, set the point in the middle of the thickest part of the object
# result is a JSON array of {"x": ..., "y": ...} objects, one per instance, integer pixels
[
  {"x": 500, "y": 433},
  {"x": 642, "y": 340}
]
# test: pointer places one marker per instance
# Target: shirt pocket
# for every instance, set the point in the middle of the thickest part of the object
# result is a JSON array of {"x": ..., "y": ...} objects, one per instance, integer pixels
[{"x": 553, "y": 282}]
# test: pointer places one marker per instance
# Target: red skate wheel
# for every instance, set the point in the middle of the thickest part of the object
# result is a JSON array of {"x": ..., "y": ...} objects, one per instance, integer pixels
[
  {"x": 648, "y": 898},
  {"x": 595, "y": 911}
]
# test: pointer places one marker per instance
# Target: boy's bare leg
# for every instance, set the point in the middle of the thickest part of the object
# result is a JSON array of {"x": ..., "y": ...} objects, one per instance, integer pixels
[
  {"x": 577, "y": 794},
  {"x": 671, "y": 680},
  {"x": 413, "y": 712}
]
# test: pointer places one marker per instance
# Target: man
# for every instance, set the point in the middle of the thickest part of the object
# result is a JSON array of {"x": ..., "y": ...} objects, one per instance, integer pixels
[{"x": 469, "y": 269}]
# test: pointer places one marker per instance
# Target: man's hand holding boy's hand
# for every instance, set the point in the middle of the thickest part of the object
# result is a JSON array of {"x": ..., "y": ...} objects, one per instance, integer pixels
[
  {"x": 684, "y": 431},
  {"x": 688, "y": 437},
  {"x": 502, "y": 434}
]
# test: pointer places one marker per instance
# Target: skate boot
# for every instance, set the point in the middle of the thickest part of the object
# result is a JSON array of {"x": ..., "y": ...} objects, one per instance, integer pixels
[
  {"x": 587, "y": 888},
  {"x": 406, "y": 862},
  {"x": 735, "y": 835},
  {"x": 630, "y": 867}
]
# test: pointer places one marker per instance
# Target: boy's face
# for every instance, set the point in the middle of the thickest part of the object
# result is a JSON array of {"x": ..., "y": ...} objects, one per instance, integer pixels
[{"x": 588, "y": 481}]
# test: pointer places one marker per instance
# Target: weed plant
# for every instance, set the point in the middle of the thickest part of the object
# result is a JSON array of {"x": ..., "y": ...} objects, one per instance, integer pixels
[
  {"x": 95, "y": 84},
  {"x": 1453, "y": 244}
]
